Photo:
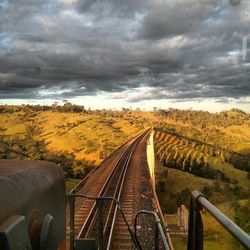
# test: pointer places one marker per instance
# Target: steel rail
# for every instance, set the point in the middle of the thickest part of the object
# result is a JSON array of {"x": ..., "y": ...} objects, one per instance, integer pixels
[
  {"x": 80, "y": 185},
  {"x": 92, "y": 217},
  {"x": 106, "y": 189},
  {"x": 115, "y": 197},
  {"x": 93, "y": 212},
  {"x": 75, "y": 190},
  {"x": 103, "y": 198},
  {"x": 120, "y": 191},
  {"x": 78, "y": 188},
  {"x": 121, "y": 175}
]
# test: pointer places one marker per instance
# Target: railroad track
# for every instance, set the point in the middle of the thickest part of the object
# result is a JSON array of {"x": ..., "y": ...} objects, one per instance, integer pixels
[{"x": 114, "y": 181}]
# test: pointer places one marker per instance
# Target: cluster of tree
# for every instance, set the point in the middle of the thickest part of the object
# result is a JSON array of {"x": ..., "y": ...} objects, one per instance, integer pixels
[
  {"x": 72, "y": 168},
  {"x": 67, "y": 107},
  {"x": 203, "y": 119},
  {"x": 241, "y": 217},
  {"x": 215, "y": 193},
  {"x": 170, "y": 201},
  {"x": 239, "y": 161},
  {"x": 25, "y": 108},
  {"x": 20, "y": 147},
  {"x": 230, "y": 192},
  {"x": 199, "y": 168},
  {"x": 28, "y": 147}
]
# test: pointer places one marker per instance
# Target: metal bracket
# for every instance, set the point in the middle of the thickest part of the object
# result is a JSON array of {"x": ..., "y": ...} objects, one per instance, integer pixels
[
  {"x": 14, "y": 234},
  {"x": 48, "y": 240}
]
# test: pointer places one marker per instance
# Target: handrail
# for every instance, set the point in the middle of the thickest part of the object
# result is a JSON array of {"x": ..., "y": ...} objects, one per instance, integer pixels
[
  {"x": 195, "y": 225},
  {"x": 158, "y": 228},
  {"x": 72, "y": 197}
]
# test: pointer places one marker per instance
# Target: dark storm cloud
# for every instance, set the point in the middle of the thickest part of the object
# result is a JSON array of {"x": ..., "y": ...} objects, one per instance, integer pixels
[
  {"x": 122, "y": 8},
  {"x": 178, "y": 49},
  {"x": 173, "y": 18}
]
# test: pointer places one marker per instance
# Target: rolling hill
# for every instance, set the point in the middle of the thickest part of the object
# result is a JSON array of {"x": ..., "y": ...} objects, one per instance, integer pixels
[{"x": 194, "y": 150}]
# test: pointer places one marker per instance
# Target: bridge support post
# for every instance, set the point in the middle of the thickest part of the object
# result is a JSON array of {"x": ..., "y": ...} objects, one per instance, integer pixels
[
  {"x": 100, "y": 223},
  {"x": 195, "y": 225}
]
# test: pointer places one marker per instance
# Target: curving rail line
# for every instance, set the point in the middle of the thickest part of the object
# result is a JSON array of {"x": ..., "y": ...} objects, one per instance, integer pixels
[{"x": 115, "y": 182}]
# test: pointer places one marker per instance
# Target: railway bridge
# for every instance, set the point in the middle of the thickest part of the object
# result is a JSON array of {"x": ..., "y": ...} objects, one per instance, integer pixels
[{"x": 114, "y": 207}]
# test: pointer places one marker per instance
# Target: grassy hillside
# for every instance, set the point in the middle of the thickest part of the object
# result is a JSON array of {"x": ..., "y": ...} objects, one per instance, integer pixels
[
  {"x": 185, "y": 164},
  {"x": 73, "y": 140},
  {"x": 81, "y": 134},
  {"x": 194, "y": 150},
  {"x": 228, "y": 130}
]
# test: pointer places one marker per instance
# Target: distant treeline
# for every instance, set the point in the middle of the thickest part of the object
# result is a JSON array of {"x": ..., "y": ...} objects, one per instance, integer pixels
[
  {"x": 67, "y": 107},
  {"x": 203, "y": 119}
]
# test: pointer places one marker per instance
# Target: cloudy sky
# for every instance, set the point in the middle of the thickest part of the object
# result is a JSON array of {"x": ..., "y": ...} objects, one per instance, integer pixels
[{"x": 126, "y": 53}]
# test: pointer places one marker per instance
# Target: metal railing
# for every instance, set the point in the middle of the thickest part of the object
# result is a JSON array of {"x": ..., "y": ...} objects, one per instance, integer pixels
[
  {"x": 97, "y": 212},
  {"x": 158, "y": 229},
  {"x": 99, "y": 201},
  {"x": 195, "y": 224}
]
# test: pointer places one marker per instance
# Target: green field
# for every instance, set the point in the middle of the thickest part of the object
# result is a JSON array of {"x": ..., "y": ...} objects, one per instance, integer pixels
[{"x": 71, "y": 183}]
